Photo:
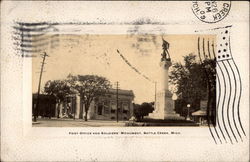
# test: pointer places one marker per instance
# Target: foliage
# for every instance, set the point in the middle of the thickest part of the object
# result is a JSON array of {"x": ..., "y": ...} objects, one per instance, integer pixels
[
  {"x": 193, "y": 80},
  {"x": 143, "y": 110},
  {"x": 58, "y": 88},
  {"x": 89, "y": 87},
  {"x": 209, "y": 67},
  {"x": 189, "y": 79}
]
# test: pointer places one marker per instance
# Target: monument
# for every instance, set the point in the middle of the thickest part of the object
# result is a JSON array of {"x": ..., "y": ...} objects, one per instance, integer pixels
[{"x": 164, "y": 105}]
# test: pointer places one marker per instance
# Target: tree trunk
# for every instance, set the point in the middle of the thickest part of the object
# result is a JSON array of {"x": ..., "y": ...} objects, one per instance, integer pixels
[
  {"x": 86, "y": 116},
  {"x": 86, "y": 112}
]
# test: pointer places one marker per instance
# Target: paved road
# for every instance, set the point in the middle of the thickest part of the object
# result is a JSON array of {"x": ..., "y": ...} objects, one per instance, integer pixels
[{"x": 77, "y": 123}]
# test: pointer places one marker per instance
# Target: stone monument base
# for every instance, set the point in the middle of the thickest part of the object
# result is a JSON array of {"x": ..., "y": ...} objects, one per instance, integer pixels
[
  {"x": 173, "y": 116},
  {"x": 164, "y": 107}
]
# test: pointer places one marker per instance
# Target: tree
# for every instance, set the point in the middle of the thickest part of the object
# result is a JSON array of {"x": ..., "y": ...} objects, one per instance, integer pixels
[
  {"x": 189, "y": 79},
  {"x": 88, "y": 87},
  {"x": 209, "y": 67},
  {"x": 193, "y": 80},
  {"x": 143, "y": 110},
  {"x": 59, "y": 89}
]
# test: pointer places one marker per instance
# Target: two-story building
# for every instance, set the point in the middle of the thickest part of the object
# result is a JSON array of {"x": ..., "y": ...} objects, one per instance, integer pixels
[{"x": 103, "y": 107}]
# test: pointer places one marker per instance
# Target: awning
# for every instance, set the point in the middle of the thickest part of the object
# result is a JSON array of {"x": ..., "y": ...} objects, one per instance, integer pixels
[{"x": 199, "y": 113}]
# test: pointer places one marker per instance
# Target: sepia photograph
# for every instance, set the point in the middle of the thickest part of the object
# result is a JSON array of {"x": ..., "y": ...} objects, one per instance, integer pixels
[{"x": 124, "y": 80}]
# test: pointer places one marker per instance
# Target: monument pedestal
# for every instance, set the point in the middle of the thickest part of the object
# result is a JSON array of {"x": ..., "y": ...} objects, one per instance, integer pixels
[{"x": 164, "y": 107}]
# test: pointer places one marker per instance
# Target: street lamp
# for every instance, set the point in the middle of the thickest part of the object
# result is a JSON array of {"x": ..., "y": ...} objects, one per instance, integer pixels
[{"x": 188, "y": 107}]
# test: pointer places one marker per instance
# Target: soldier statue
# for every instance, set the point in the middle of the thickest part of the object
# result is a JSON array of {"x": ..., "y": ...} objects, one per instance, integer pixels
[{"x": 165, "y": 55}]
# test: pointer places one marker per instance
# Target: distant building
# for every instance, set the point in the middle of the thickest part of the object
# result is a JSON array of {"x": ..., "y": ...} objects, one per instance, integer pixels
[
  {"x": 47, "y": 105},
  {"x": 103, "y": 107},
  {"x": 200, "y": 116}
]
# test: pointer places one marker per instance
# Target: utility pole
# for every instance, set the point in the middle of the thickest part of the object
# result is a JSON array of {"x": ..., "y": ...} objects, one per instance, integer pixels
[
  {"x": 39, "y": 85},
  {"x": 155, "y": 95},
  {"x": 117, "y": 104}
]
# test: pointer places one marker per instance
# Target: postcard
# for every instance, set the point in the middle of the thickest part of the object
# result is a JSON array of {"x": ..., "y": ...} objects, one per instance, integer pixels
[{"x": 125, "y": 80}]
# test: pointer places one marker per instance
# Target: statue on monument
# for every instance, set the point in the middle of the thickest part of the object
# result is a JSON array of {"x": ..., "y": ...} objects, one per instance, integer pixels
[{"x": 165, "y": 55}]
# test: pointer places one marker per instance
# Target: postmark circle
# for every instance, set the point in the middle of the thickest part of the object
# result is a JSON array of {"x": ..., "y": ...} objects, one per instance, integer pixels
[{"x": 211, "y": 11}]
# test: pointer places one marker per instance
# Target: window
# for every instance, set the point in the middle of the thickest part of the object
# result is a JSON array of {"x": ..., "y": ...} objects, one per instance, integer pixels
[
  {"x": 113, "y": 106},
  {"x": 125, "y": 106},
  {"x": 125, "y": 111},
  {"x": 106, "y": 107},
  {"x": 100, "y": 107},
  {"x": 95, "y": 109}
]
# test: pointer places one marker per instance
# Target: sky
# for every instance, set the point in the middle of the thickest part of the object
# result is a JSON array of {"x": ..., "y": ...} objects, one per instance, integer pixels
[{"x": 97, "y": 55}]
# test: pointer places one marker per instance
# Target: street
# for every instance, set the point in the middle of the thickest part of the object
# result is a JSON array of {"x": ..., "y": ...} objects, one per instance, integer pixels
[{"x": 76, "y": 123}]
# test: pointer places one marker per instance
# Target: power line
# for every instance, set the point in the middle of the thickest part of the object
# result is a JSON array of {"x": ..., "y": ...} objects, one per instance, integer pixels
[{"x": 133, "y": 68}]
